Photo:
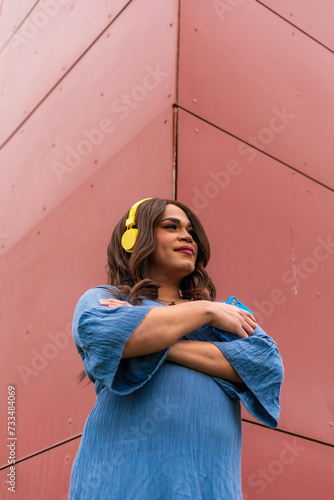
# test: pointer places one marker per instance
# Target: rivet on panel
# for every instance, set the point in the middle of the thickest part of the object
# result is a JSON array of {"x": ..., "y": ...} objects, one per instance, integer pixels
[
  {"x": 67, "y": 459},
  {"x": 169, "y": 95},
  {"x": 13, "y": 185},
  {"x": 291, "y": 14},
  {"x": 60, "y": 88},
  {"x": 44, "y": 208},
  {"x": 53, "y": 145},
  {"x": 102, "y": 94},
  {"x": 171, "y": 24},
  {"x": 38, "y": 232},
  {"x": 293, "y": 33},
  {"x": 95, "y": 161},
  {"x": 195, "y": 29},
  {"x": 318, "y": 294},
  {"x": 298, "y": 94},
  {"x": 72, "y": 7},
  {"x": 27, "y": 333},
  {"x": 331, "y": 423},
  {"x": 109, "y": 16},
  {"x": 165, "y": 121},
  {"x": 305, "y": 164},
  {"x": 196, "y": 130},
  {"x": 195, "y": 100},
  {"x": 92, "y": 185},
  {"x": 69, "y": 421},
  {"x": 63, "y": 68},
  {"x": 308, "y": 190},
  {"x": 108, "y": 35}
]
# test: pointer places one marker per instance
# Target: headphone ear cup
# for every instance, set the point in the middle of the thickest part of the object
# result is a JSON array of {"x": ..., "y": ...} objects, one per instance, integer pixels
[{"x": 129, "y": 239}]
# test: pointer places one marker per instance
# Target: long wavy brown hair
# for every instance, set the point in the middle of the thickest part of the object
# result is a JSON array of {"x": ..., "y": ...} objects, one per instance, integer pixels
[{"x": 129, "y": 273}]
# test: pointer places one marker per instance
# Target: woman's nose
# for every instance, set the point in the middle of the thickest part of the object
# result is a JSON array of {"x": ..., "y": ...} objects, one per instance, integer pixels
[{"x": 185, "y": 235}]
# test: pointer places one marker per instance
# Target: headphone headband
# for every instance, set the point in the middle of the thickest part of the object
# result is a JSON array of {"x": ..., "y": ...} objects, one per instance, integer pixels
[
  {"x": 130, "y": 235},
  {"x": 130, "y": 221}
]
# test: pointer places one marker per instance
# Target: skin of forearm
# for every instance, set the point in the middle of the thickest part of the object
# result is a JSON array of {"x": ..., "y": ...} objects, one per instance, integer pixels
[
  {"x": 163, "y": 326},
  {"x": 203, "y": 357}
]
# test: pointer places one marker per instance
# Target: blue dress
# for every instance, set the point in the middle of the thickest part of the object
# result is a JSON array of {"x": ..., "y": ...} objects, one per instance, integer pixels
[{"x": 158, "y": 430}]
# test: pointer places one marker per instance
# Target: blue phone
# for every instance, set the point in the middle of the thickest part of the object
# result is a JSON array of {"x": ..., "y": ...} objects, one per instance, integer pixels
[
  {"x": 235, "y": 302},
  {"x": 222, "y": 334}
]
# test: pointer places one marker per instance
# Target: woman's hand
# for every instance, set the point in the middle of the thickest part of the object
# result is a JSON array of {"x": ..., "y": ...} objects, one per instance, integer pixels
[
  {"x": 225, "y": 316},
  {"x": 232, "y": 319},
  {"x": 163, "y": 326},
  {"x": 114, "y": 303}
]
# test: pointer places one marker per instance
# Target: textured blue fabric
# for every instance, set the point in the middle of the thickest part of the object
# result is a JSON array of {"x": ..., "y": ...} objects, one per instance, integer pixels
[
  {"x": 259, "y": 364},
  {"x": 159, "y": 430}
]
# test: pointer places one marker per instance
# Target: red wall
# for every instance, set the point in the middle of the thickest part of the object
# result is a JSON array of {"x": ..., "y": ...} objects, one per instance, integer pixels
[{"x": 226, "y": 105}]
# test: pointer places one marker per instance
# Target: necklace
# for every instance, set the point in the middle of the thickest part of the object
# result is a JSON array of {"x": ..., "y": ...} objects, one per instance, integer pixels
[{"x": 170, "y": 302}]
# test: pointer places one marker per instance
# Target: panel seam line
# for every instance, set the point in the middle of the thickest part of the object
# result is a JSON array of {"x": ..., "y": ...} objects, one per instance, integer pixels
[
  {"x": 62, "y": 77},
  {"x": 295, "y": 26},
  {"x": 257, "y": 149},
  {"x": 282, "y": 431}
]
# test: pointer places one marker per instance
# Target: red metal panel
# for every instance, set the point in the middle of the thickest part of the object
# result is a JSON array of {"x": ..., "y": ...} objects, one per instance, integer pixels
[
  {"x": 264, "y": 224},
  {"x": 315, "y": 17},
  {"x": 43, "y": 49},
  {"x": 277, "y": 465},
  {"x": 43, "y": 477},
  {"x": 12, "y": 15},
  {"x": 249, "y": 72},
  {"x": 98, "y": 109},
  {"x": 104, "y": 137},
  {"x": 43, "y": 276}
]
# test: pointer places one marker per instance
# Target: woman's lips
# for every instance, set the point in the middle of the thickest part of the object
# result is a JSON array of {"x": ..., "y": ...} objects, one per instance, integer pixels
[{"x": 186, "y": 250}]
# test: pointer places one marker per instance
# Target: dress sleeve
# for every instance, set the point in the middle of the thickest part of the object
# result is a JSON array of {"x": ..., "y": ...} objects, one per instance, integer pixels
[
  {"x": 258, "y": 363},
  {"x": 100, "y": 334}
]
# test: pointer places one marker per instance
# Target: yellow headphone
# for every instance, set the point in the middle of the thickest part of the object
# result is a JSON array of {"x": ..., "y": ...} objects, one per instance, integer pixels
[{"x": 130, "y": 235}]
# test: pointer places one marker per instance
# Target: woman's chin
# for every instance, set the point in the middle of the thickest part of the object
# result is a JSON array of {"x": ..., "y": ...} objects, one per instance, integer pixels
[{"x": 188, "y": 270}]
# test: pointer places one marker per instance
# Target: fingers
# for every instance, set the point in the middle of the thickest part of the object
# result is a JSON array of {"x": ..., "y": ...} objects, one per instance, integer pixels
[
  {"x": 249, "y": 325},
  {"x": 245, "y": 322},
  {"x": 114, "y": 303}
]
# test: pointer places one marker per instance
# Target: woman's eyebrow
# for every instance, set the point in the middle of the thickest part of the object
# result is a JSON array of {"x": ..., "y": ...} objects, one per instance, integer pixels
[{"x": 177, "y": 221}]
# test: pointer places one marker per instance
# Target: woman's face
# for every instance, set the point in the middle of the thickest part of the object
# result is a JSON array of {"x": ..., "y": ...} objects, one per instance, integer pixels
[{"x": 175, "y": 254}]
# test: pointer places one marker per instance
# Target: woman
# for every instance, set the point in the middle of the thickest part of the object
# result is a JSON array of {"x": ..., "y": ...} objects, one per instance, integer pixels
[{"x": 166, "y": 423}]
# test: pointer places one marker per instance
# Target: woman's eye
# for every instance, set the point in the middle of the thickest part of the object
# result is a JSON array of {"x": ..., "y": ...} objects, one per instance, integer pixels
[{"x": 170, "y": 226}]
